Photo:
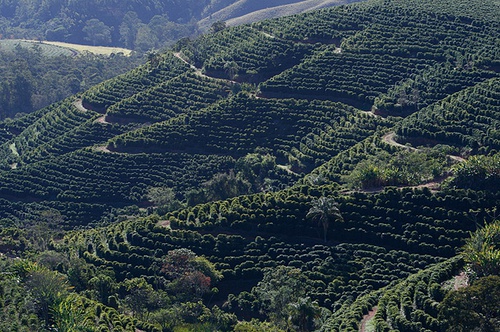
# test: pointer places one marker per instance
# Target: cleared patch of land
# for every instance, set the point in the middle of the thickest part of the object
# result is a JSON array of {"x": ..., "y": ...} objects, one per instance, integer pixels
[
  {"x": 103, "y": 50},
  {"x": 60, "y": 48}
]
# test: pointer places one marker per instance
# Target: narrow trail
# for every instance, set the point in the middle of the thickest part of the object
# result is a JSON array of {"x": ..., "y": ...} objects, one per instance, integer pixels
[
  {"x": 366, "y": 319},
  {"x": 370, "y": 113},
  {"x": 104, "y": 148},
  {"x": 287, "y": 169},
  {"x": 198, "y": 71},
  {"x": 79, "y": 105},
  {"x": 389, "y": 138},
  {"x": 102, "y": 120}
]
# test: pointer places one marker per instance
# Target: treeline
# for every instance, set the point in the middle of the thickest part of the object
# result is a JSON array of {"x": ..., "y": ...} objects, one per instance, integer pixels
[
  {"x": 31, "y": 80},
  {"x": 139, "y": 25}
]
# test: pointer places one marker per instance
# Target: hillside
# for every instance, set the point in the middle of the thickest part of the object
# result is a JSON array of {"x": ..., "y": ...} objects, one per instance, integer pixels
[
  {"x": 138, "y": 25},
  {"x": 248, "y": 11},
  {"x": 327, "y": 165}
]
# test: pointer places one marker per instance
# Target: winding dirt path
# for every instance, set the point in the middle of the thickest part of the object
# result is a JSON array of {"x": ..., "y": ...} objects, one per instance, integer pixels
[
  {"x": 197, "y": 71},
  {"x": 102, "y": 120},
  {"x": 389, "y": 138},
  {"x": 367, "y": 318},
  {"x": 104, "y": 148},
  {"x": 79, "y": 105}
]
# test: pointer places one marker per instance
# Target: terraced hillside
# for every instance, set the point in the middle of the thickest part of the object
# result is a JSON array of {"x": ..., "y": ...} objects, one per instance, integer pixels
[{"x": 327, "y": 165}]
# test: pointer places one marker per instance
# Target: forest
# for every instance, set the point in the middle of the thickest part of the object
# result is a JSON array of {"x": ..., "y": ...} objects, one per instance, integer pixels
[
  {"x": 140, "y": 25},
  {"x": 335, "y": 170},
  {"x": 34, "y": 75}
]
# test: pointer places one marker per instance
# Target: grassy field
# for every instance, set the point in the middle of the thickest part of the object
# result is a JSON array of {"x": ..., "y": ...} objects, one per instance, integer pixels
[
  {"x": 51, "y": 48},
  {"x": 92, "y": 49}
]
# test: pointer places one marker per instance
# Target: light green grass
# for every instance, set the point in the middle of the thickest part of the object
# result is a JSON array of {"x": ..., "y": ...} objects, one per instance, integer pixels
[
  {"x": 103, "y": 50},
  {"x": 50, "y": 48}
]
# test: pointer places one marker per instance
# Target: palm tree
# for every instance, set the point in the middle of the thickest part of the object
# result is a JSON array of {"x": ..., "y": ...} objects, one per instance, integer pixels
[
  {"x": 302, "y": 313},
  {"x": 325, "y": 210}
]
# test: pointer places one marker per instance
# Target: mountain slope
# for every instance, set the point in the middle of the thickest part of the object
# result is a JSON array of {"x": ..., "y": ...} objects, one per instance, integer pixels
[
  {"x": 248, "y": 11},
  {"x": 217, "y": 151}
]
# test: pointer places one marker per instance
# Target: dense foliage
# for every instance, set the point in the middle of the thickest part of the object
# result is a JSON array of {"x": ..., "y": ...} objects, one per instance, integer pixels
[
  {"x": 32, "y": 78},
  {"x": 319, "y": 172}
]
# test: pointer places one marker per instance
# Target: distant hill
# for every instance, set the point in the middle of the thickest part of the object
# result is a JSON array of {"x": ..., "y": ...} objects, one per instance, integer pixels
[
  {"x": 248, "y": 11},
  {"x": 133, "y": 24}
]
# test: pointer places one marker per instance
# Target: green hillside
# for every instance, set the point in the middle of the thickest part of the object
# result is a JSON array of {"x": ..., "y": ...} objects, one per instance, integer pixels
[
  {"x": 134, "y": 24},
  {"x": 318, "y": 172}
]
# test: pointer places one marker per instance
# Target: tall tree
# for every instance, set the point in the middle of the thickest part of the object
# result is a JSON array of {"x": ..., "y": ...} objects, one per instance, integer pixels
[
  {"x": 302, "y": 314},
  {"x": 324, "y": 210},
  {"x": 482, "y": 251},
  {"x": 97, "y": 32},
  {"x": 278, "y": 290}
]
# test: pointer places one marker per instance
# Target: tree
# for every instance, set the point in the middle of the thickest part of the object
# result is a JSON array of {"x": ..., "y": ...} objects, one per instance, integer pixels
[
  {"x": 142, "y": 299},
  {"x": 97, "y": 32},
  {"x": 279, "y": 288},
  {"x": 153, "y": 58},
  {"x": 145, "y": 39},
  {"x": 128, "y": 29},
  {"x": 302, "y": 314},
  {"x": 324, "y": 210},
  {"x": 70, "y": 315},
  {"x": 226, "y": 185},
  {"x": 103, "y": 285},
  {"x": 482, "y": 251},
  {"x": 47, "y": 287},
  {"x": 190, "y": 275},
  {"x": 218, "y": 26},
  {"x": 231, "y": 68},
  {"x": 256, "y": 168},
  {"x": 473, "y": 308},
  {"x": 164, "y": 199}
]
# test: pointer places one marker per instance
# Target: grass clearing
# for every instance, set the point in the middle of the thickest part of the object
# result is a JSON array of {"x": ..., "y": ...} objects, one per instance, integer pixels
[
  {"x": 103, "y": 50},
  {"x": 52, "y": 48}
]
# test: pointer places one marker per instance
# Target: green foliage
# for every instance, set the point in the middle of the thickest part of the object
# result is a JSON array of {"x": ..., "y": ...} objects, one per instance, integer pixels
[
  {"x": 469, "y": 118},
  {"x": 411, "y": 304},
  {"x": 191, "y": 276},
  {"x": 325, "y": 210},
  {"x": 475, "y": 307},
  {"x": 402, "y": 168},
  {"x": 35, "y": 77},
  {"x": 482, "y": 251},
  {"x": 279, "y": 292},
  {"x": 256, "y": 326},
  {"x": 164, "y": 199},
  {"x": 48, "y": 288},
  {"x": 253, "y": 171},
  {"x": 478, "y": 172},
  {"x": 70, "y": 315}
]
